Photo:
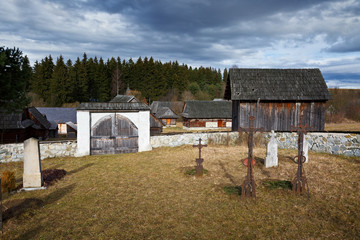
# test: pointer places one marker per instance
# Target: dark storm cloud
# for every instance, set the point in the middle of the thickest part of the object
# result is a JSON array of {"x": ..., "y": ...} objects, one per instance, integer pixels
[{"x": 279, "y": 33}]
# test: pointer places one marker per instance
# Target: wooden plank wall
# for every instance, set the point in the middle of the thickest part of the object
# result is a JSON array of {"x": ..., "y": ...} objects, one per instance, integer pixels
[
  {"x": 279, "y": 116},
  {"x": 112, "y": 135}
]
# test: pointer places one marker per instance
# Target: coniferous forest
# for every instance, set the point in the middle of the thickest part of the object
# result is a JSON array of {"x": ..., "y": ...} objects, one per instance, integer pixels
[{"x": 92, "y": 79}]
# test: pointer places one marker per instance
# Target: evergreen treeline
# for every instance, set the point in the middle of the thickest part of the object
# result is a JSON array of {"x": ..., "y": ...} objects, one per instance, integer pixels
[{"x": 93, "y": 79}]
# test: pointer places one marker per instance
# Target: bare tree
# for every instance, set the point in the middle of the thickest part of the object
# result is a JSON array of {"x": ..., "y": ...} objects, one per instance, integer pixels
[{"x": 117, "y": 85}]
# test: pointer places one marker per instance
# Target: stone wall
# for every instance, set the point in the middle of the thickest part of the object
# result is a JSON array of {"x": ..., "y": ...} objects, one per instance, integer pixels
[
  {"x": 14, "y": 152},
  {"x": 192, "y": 138},
  {"x": 333, "y": 143}
]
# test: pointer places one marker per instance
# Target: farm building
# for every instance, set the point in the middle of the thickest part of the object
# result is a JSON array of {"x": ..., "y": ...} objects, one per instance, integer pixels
[
  {"x": 112, "y": 128},
  {"x": 23, "y": 124},
  {"x": 165, "y": 111},
  {"x": 277, "y": 98},
  {"x": 207, "y": 114},
  {"x": 64, "y": 117}
]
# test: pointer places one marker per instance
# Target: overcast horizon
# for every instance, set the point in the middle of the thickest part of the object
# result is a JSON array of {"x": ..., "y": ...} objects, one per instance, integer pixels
[{"x": 219, "y": 34}]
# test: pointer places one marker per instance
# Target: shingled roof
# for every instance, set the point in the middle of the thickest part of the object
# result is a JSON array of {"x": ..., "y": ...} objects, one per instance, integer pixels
[
  {"x": 207, "y": 109},
  {"x": 59, "y": 115},
  {"x": 39, "y": 117},
  {"x": 123, "y": 99},
  {"x": 276, "y": 84},
  {"x": 165, "y": 112},
  {"x": 174, "y": 106},
  {"x": 139, "y": 106}
]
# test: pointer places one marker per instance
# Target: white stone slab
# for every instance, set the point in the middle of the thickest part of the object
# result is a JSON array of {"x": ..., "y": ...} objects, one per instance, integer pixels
[
  {"x": 32, "y": 177},
  {"x": 271, "y": 159}
]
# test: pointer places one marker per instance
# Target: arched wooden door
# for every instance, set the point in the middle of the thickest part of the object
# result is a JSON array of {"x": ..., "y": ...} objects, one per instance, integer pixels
[{"x": 113, "y": 134}]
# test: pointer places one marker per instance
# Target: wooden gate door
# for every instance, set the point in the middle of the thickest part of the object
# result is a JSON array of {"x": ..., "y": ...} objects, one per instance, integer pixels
[{"x": 113, "y": 134}]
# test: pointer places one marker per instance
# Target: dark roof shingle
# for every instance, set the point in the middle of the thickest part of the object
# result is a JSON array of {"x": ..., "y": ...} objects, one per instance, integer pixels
[
  {"x": 276, "y": 84},
  {"x": 59, "y": 115},
  {"x": 123, "y": 99},
  {"x": 208, "y": 109},
  {"x": 165, "y": 112}
]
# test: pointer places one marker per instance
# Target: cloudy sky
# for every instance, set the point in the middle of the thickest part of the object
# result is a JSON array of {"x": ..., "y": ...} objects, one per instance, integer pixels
[{"x": 221, "y": 34}]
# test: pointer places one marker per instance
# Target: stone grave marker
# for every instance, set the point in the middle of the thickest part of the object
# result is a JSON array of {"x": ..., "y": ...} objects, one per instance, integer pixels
[
  {"x": 32, "y": 177},
  {"x": 271, "y": 159},
  {"x": 306, "y": 150}
]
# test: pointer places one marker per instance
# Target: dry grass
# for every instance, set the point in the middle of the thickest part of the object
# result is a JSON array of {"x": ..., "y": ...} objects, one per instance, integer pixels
[
  {"x": 148, "y": 196},
  {"x": 179, "y": 129},
  {"x": 344, "y": 126}
]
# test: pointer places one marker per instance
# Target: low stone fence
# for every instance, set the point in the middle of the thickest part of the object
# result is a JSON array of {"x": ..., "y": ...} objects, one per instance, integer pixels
[
  {"x": 333, "y": 143},
  {"x": 14, "y": 152}
]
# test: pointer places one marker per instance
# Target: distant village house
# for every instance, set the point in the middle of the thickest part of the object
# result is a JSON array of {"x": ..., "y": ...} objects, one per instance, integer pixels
[{"x": 207, "y": 114}]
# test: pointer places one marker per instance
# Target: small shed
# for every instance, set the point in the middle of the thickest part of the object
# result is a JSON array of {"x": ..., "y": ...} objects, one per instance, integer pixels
[
  {"x": 277, "y": 98},
  {"x": 112, "y": 128},
  {"x": 166, "y": 111},
  {"x": 207, "y": 114}
]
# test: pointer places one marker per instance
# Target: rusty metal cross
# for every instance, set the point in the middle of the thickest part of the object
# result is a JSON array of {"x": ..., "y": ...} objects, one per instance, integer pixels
[
  {"x": 300, "y": 182},
  {"x": 199, "y": 161},
  {"x": 249, "y": 186}
]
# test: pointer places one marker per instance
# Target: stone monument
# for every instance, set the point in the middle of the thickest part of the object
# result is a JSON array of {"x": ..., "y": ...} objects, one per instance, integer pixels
[
  {"x": 271, "y": 159},
  {"x": 32, "y": 177},
  {"x": 306, "y": 150}
]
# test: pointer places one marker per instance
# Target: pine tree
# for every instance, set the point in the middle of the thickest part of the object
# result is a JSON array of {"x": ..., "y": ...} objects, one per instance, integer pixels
[
  {"x": 13, "y": 80},
  {"x": 59, "y": 83}
]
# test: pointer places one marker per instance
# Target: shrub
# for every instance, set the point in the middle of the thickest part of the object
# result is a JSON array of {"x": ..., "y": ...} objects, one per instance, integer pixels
[{"x": 8, "y": 181}]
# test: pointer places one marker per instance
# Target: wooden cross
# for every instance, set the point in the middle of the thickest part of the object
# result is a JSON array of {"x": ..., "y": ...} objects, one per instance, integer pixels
[
  {"x": 249, "y": 186},
  {"x": 300, "y": 182},
  {"x": 199, "y": 161}
]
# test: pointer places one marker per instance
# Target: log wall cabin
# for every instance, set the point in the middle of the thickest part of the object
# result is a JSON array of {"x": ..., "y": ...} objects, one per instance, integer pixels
[{"x": 278, "y": 98}]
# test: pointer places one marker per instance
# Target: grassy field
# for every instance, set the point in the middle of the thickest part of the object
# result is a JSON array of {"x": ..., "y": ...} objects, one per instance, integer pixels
[
  {"x": 344, "y": 126},
  {"x": 148, "y": 196}
]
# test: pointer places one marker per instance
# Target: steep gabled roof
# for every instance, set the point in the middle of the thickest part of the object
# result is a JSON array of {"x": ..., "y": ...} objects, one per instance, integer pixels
[
  {"x": 165, "y": 112},
  {"x": 19, "y": 120},
  {"x": 174, "y": 106},
  {"x": 123, "y": 99},
  {"x": 139, "y": 106},
  {"x": 39, "y": 117},
  {"x": 276, "y": 84},
  {"x": 208, "y": 109},
  {"x": 59, "y": 115}
]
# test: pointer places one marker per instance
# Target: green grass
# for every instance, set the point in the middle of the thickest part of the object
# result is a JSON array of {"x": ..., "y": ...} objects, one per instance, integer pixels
[{"x": 148, "y": 196}]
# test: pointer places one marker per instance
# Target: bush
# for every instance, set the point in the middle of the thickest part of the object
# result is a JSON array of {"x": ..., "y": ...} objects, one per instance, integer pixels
[{"x": 8, "y": 181}]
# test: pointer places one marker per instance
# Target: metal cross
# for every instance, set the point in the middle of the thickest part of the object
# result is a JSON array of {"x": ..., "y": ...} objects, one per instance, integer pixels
[
  {"x": 199, "y": 161},
  {"x": 249, "y": 186},
  {"x": 299, "y": 183}
]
